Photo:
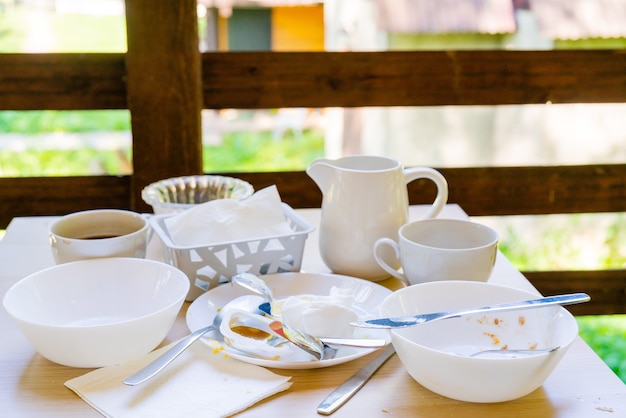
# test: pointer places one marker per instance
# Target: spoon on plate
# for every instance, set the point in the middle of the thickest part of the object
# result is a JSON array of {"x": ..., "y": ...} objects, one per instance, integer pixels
[
  {"x": 251, "y": 333},
  {"x": 308, "y": 343},
  {"x": 247, "y": 303},
  {"x": 313, "y": 345},
  {"x": 256, "y": 285}
]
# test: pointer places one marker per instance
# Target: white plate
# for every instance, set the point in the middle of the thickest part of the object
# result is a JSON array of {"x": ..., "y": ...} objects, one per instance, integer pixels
[{"x": 367, "y": 298}]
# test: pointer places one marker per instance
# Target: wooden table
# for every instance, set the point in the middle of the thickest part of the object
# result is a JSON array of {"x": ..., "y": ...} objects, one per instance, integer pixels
[{"x": 31, "y": 386}]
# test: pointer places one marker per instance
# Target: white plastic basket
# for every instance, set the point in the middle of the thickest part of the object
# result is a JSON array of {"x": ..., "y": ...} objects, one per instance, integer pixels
[{"x": 207, "y": 266}]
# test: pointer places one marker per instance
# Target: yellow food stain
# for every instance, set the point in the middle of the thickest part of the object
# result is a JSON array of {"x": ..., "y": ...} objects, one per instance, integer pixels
[
  {"x": 494, "y": 338},
  {"x": 215, "y": 346},
  {"x": 217, "y": 349},
  {"x": 254, "y": 333},
  {"x": 532, "y": 346},
  {"x": 521, "y": 320}
]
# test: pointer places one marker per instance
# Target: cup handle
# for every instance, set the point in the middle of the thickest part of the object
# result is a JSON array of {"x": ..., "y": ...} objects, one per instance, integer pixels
[
  {"x": 382, "y": 263},
  {"x": 436, "y": 177}
]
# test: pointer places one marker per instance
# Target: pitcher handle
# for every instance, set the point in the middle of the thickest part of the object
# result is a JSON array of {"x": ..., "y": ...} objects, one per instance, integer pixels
[
  {"x": 440, "y": 181},
  {"x": 382, "y": 263}
]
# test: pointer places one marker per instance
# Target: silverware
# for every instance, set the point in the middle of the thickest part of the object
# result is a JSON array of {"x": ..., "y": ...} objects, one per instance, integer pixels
[
  {"x": 318, "y": 347},
  {"x": 313, "y": 345},
  {"x": 346, "y": 390},
  {"x": 514, "y": 351},
  {"x": 247, "y": 303},
  {"x": 409, "y": 321}
]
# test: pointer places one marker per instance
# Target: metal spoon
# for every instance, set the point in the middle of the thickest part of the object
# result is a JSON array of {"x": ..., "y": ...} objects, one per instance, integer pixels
[
  {"x": 413, "y": 320},
  {"x": 508, "y": 351},
  {"x": 258, "y": 286},
  {"x": 309, "y": 343},
  {"x": 273, "y": 332},
  {"x": 248, "y": 303}
]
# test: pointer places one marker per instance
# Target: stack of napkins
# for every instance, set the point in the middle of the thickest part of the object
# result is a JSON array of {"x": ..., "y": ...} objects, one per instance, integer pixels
[
  {"x": 199, "y": 383},
  {"x": 226, "y": 220}
]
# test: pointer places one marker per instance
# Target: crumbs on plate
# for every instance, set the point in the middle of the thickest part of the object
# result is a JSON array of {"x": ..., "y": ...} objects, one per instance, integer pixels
[{"x": 215, "y": 345}]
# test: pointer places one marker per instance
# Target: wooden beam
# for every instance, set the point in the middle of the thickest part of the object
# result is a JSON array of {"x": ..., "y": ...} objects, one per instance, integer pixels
[
  {"x": 607, "y": 289},
  {"x": 417, "y": 78},
  {"x": 496, "y": 191},
  {"x": 492, "y": 191},
  {"x": 62, "y": 81},
  {"x": 164, "y": 91},
  {"x": 481, "y": 191},
  {"x": 53, "y": 196},
  {"x": 253, "y": 80}
]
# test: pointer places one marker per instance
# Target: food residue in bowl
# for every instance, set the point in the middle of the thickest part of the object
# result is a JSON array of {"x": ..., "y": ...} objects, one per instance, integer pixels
[
  {"x": 494, "y": 338},
  {"x": 489, "y": 320}
]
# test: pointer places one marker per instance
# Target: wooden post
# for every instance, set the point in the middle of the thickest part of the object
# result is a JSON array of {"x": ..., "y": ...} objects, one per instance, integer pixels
[{"x": 164, "y": 91}]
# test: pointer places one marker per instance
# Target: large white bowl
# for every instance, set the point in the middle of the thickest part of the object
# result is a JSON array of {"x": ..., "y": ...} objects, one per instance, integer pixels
[
  {"x": 100, "y": 312},
  {"x": 436, "y": 354}
]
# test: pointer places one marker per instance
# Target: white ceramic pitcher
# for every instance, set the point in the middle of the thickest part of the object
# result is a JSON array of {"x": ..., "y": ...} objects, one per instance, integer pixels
[{"x": 365, "y": 198}]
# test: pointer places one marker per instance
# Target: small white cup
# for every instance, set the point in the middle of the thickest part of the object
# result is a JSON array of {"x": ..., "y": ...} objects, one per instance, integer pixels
[
  {"x": 99, "y": 233},
  {"x": 440, "y": 249}
]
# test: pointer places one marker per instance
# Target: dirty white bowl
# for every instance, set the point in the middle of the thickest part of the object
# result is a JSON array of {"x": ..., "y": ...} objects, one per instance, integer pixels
[
  {"x": 100, "y": 312},
  {"x": 437, "y": 354},
  {"x": 177, "y": 194}
]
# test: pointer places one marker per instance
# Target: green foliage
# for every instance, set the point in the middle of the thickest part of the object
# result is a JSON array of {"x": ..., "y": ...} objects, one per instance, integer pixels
[
  {"x": 238, "y": 152},
  {"x": 79, "y": 162},
  {"x": 43, "y": 121},
  {"x": 614, "y": 244},
  {"x": 606, "y": 334},
  {"x": 544, "y": 249},
  {"x": 250, "y": 151}
]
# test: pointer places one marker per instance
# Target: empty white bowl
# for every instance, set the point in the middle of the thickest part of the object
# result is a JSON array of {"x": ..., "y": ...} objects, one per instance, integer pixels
[
  {"x": 177, "y": 194},
  {"x": 437, "y": 354},
  {"x": 100, "y": 312}
]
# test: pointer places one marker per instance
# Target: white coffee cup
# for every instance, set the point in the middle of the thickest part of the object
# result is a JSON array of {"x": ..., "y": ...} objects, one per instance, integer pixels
[
  {"x": 440, "y": 249},
  {"x": 99, "y": 233}
]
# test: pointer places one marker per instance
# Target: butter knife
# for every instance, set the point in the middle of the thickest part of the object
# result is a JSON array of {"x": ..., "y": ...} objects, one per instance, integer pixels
[
  {"x": 346, "y": 390},
  {"x": 410, "y": 321}
]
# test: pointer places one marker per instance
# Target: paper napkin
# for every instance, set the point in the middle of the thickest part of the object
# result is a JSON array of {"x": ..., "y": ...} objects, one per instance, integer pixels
[
  {"x": 199, "y": 383},
  {"x": 226, "y": 220}
]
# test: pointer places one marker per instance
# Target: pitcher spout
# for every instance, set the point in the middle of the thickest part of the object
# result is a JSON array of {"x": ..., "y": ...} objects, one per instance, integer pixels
[{"x": 321, "y": 170}]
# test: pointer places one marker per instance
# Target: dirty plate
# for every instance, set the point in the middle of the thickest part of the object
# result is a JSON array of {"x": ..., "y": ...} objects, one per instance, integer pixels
[{"x": 367, "y": 298}]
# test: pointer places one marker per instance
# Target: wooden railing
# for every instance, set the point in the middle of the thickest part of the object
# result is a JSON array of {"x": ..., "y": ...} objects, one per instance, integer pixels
[{"x": 165, "y": 81}]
